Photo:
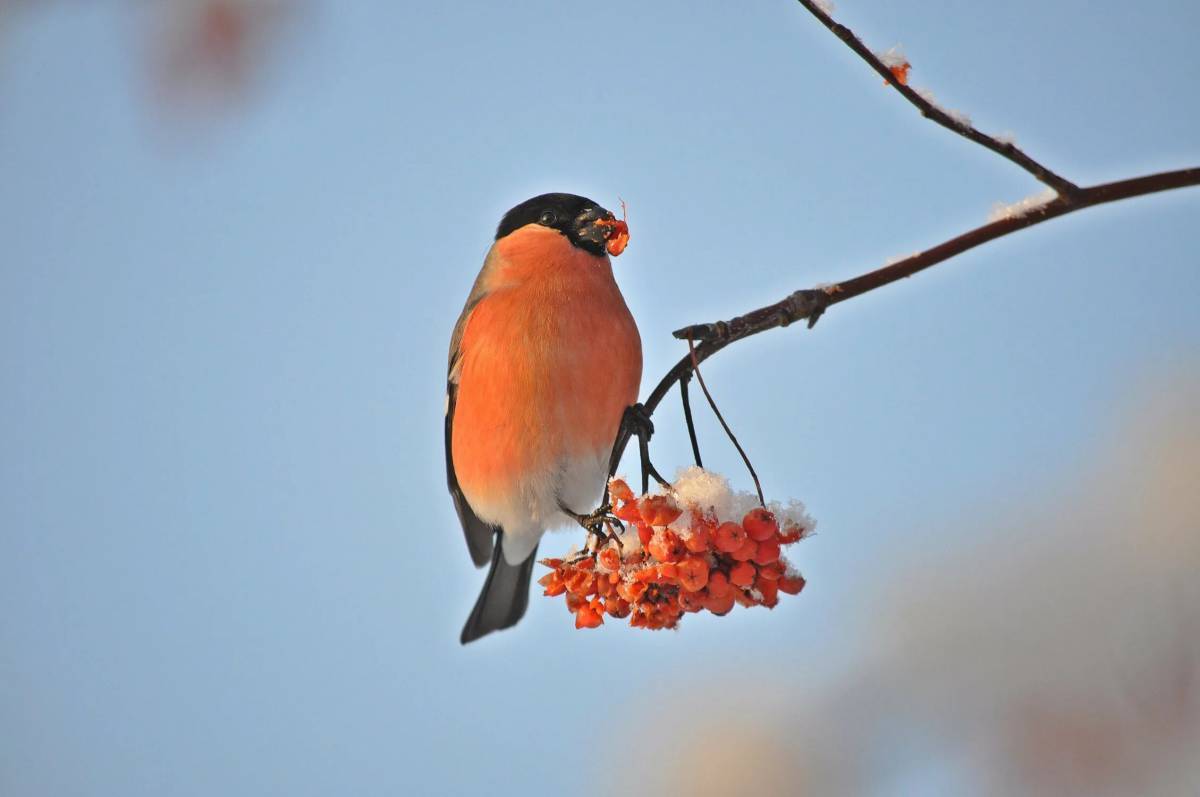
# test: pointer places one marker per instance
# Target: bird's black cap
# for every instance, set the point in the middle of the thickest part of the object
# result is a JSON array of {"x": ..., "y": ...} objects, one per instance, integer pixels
[{"x": 572, "y": 215}]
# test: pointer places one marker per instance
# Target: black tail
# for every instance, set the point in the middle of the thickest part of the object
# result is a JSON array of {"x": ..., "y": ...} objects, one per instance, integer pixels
[{"x": 504, "y": 598}]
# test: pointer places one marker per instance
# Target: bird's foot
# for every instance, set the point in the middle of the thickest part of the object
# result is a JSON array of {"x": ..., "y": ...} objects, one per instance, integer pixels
[
  {"x": 598, "y": 524},
  {"x": 637, "y": 421}
]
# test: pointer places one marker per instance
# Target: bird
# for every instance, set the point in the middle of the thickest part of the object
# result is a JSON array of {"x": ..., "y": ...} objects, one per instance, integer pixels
[{"x": 544, "y": 360}]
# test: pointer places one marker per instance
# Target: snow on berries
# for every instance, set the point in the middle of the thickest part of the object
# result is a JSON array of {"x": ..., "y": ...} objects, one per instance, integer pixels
[{"x": 696, "y": 547}]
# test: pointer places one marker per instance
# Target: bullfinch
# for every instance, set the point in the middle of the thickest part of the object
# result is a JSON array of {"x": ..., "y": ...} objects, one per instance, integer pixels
[{"x": 543, "y": 362}]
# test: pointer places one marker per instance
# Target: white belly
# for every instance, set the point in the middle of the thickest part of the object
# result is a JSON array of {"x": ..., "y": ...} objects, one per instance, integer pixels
[{"x": 532, "y": 508}]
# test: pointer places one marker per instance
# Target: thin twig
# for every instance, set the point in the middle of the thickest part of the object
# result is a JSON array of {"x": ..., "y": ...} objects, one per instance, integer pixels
[
  {"x": 687, "y": 417},
  {"x": 648, "y": 468},
  {"x": 1005, "y": 149},
  {"x": 732, "y": 437},
  {"x": 810, "y": 304},
  {"x": 644, "y": 454},
  {"x": 802, "y": 304}
]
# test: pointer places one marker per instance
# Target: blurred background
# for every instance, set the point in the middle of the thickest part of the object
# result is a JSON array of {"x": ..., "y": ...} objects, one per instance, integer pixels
[{"x": 234, "y": 238}]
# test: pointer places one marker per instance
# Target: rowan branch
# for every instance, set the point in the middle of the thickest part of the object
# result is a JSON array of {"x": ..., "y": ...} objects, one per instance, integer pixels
[
  {"x": 810, "y": 304},
  {"x": 1005, "y": 149},
  {"x": 805, "y": 303}
]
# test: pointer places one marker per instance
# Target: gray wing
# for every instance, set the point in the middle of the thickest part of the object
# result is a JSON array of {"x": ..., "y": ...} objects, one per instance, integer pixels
[{"x": 479, "y": 535}]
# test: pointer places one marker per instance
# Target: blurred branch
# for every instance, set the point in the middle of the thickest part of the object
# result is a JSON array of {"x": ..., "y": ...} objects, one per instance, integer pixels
[
  {"x": 205, "y": 53},
  {"x": 810, "y": 304}
]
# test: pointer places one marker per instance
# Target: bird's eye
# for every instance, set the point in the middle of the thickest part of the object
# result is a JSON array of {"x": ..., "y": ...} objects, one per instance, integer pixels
[{"x": 548, "y": 218}]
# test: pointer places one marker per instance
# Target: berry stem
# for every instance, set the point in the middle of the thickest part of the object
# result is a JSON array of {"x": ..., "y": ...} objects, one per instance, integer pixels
[
  {"x": 724, "y": 425},
  {"x": 687, "y": 417}
]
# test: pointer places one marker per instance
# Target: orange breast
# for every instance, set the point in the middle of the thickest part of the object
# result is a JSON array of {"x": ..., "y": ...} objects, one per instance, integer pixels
[{"x": 551, "y": 357}]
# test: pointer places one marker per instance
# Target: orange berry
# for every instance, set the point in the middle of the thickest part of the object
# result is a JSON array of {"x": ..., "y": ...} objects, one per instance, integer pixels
[
  {"x": 581, "y": 582},
  {"x": 730, "y": 537},
  {"x": 697, "y": 541},
  {"x": 668, "y": 513},
  {"x": 792, "y": 584},
  {"x": 760, "y": 523},
  {"x": 719, "y": 605},
  {"x": 610, "y": 558},
  {"x": 587, "y": 617},
  {"x": 667, "y": 571},
  {"x": 574, "y": 602},
  {"x": 645, "y": 575},
  {"x": 746, "y": 552},
  {"x": 644, "y": 532},
  {"x": 742, "y": 574},
  {"x": 628, "y": 511},
  {"x": 768, "y": 552},
  {"x": 658, "y": 510},
  {"x": 619, "y": 490},
  {"x": 769, "y": 590},
  {"x": 718, "y": 583},
  {"x": 617, "y": 607},
  {"x": 648, "y": 506},
  {"x": 704, "y": 520},
  {"x": 771, "y": 571},
  {"x": 665, "y": 546},
  {"x": 742, "y": 598},
  {"x": 692, "y": 601},
  {"x": 553, "y": 583},
  {"x": 693, "y": 573}
]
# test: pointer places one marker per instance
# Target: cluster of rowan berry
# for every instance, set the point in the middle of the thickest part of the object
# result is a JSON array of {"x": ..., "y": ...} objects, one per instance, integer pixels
[{"x": 675, "y": 564}]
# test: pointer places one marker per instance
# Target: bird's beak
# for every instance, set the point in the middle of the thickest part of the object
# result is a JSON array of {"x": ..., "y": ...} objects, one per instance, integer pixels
[{"x": 602, "y": 227}]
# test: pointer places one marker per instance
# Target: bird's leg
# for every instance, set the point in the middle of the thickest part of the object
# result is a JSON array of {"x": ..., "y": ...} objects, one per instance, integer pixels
[{"x": 594, "y": 523}]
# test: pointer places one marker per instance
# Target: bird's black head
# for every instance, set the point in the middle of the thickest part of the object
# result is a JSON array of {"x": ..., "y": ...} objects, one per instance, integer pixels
[{"x": 585, "y": 223}]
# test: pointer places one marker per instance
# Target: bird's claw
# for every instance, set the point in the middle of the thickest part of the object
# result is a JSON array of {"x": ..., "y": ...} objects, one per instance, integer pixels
[{"x": 597, "y": 524}]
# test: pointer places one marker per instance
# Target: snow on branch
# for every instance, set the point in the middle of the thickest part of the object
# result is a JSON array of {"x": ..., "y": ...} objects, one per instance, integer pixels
[{"x": 893, "y": 61}]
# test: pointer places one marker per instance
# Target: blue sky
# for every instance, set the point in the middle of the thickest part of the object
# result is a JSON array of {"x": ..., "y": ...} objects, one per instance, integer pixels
[{"x": 227, "y": 559}]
